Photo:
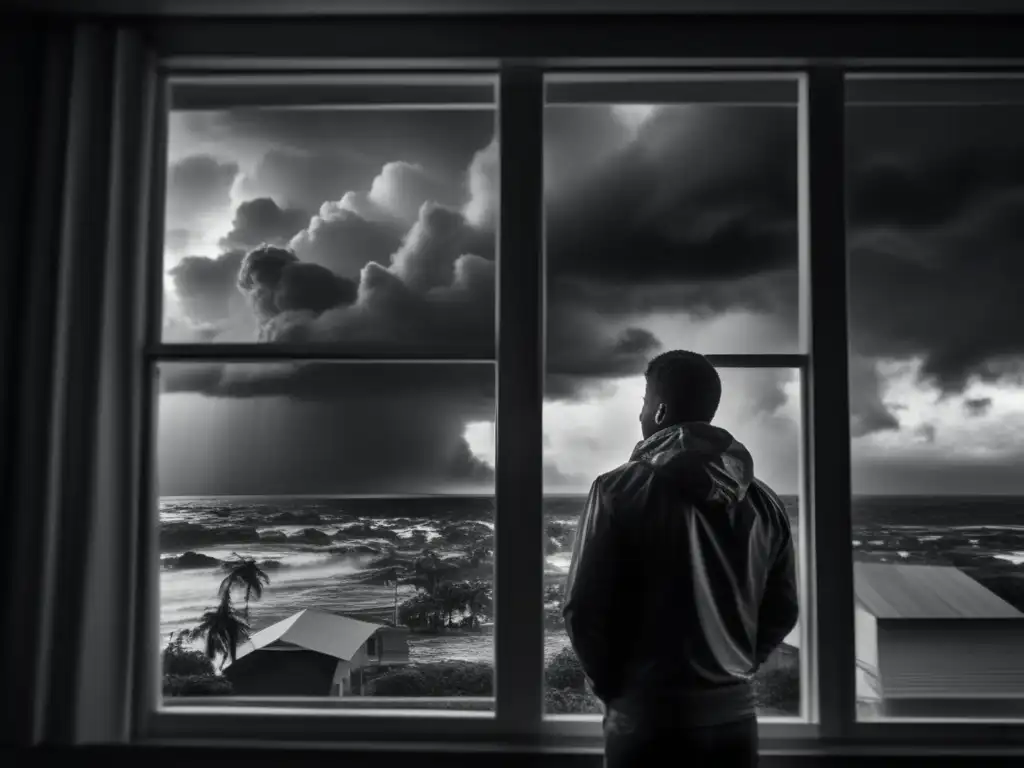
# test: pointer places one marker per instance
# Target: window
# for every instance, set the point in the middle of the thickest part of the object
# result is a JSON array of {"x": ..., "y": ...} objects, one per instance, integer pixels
[
  {"x": 325, "y": 446},
  {"x": 672, "y": 223},
  {"x": 934, "y": 182},
  {"x": 338, "y": 408}
]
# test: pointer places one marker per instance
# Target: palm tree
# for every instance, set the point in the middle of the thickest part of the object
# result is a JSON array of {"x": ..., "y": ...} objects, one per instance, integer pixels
[
  {"x": 224, "y": 629},
  {"x": 478, "y": 601},
  {"x": 245, "y": 574}
]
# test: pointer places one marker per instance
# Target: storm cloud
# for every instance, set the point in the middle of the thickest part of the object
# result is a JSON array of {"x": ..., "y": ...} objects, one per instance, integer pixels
[
  {"x": 196, "y": 186},
  {"x": 331, "y": 428},
  {"x": 937, "y": 227},
  {"x": 665, "y": 208},
  {"x": 262, "y": 221},
  {"x": 691, "y": 212},
  {"x": 206, "y": 287},
  {"x": 978, "y": 406}
]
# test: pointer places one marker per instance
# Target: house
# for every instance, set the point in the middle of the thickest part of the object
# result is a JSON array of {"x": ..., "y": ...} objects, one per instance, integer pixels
[
  {"x": 316, "y": 653},
  {"x": 931, "y": 640}
]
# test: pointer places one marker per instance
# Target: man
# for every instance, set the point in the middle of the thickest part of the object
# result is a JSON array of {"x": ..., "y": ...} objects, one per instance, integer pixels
[{"x": 682, "y": 581}]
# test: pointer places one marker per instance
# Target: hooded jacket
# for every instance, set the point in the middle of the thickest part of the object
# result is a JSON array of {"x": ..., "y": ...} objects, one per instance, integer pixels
[{"x": 682, "y": 579}]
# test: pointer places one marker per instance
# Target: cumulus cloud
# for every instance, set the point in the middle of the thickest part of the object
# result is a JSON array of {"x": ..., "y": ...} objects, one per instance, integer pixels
[
  {"x": 582, "y": 350},
  {"x": 263, "y": 221},
  {"x": 301, "y": 178},
  {"x": 205, "y": 287},
  {"x": 978, "y": 406},
  {"x": 389, "y": 315},
  {"x": 429, "y": 250},
  {"x": 177, "y": 239},
  {"x": 197, "y": 186},
  {"x": 344, "y": 240},
  {"x": 482, "y": 181},
  {"x": 925, "y": 433},
  {"x": 275, "y": 282},
  {"x": 868, "y": 412},
  {"x": 401, "y": 189}
]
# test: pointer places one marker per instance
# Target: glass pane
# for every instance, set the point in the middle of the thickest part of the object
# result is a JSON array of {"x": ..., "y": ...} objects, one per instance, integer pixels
[
  {"x": 936, "y": 357},
  {"x": 594, "y": 430},
  {"x": 366, "y": 229},
  {"x": 351, "y": 508},
  {"x": 670, "y": 225}
]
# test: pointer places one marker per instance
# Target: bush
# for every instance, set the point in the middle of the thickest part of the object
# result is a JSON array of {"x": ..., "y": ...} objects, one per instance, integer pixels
[
  {"x": 181, "y": 661},
  {"x": 196, "y": 685},
  {"x": 564, "y": 672},
  {"x": 450, "y": 678},
  {"x": 778, "y": 689},
  {"x": 563, "y": 701}
]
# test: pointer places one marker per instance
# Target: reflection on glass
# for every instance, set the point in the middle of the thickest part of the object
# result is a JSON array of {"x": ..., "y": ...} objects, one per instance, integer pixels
[
  {"x": 591, "y": 428},
  {"x": 327, "y": 530},
  {"x": 364, "y": 229},
  {"x": 936, "y": 353}
]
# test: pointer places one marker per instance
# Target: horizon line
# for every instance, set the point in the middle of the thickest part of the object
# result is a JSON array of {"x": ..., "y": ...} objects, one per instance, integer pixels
[{"x": 491, "y": 495}]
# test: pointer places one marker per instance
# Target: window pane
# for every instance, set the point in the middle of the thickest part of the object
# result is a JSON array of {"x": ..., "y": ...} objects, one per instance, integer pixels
[
  {"x": 364, "y": 495},
  {"x": 671, "y": 223},
  {"x": 936, "y": 353},
  {"x": 591, "y": 431},
  {"x": 368, "y": 229}
]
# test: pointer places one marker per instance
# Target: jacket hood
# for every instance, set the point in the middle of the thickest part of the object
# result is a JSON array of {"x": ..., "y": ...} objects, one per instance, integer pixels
[{"x": 705, "y": 462}]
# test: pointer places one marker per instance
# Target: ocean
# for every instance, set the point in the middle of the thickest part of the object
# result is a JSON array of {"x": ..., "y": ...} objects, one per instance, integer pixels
[{"x": 334, "y": 554}]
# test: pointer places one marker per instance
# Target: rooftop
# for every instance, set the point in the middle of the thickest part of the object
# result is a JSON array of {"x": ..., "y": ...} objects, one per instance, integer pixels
[
  {"x": 894, "y": 591},
  {"x": 320, "y": 631}
]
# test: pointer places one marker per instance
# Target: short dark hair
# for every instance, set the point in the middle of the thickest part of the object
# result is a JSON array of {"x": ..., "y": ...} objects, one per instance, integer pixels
[{"x": 687, "y": 383}]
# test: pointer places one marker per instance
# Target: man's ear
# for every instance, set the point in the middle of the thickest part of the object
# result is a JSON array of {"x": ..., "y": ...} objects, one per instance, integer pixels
[{"x": 659, "y": 415}]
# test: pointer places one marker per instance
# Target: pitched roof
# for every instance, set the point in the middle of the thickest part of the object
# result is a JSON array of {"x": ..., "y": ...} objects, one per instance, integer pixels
[
  {"x": 327, "y": 633},
  {"x": 895, "y": 591}
]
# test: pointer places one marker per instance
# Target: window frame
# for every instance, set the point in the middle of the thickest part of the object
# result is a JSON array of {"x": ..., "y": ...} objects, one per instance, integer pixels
[{"x": 518, "y": 720}]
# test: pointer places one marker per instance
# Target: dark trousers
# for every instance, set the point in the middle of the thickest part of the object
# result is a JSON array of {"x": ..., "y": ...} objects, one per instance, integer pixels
[{"x": 635, "y": 743}]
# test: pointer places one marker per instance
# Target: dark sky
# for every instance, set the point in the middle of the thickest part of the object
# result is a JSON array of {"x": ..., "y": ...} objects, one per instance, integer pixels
[{"x": 677, "y": 231}]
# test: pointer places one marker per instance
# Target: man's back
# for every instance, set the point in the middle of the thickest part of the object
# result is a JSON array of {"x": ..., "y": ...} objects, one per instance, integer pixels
[{"x": 693, "y": 559}]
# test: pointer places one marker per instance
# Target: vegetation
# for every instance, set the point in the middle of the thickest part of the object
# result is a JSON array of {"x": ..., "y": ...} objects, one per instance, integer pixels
[
  {"x": 561, "y": 701},
  {"x": 245, "y": 574},
  {"x": 566, "y": 691},
  {"x": 223, "y": 628},
  {"x": 197, "y": 685},
  {"x": 554, "y": 597},
  {"x": 564, "y": 672},
  {"x": 182, "y": 661},
  {"x": 441, "y": 603},
  {"x": 776, "y": 689},
  {"x": 188, "y": 672},
  {"x": 451, "y": 678}
]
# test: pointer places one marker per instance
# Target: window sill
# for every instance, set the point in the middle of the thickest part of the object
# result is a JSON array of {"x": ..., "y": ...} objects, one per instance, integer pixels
[{"x": 475, "y": 732}]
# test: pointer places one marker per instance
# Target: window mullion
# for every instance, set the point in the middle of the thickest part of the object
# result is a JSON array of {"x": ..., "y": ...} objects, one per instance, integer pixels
[
  {"x": 823, "y": 215},
  {"x": 519, "y": 628}
]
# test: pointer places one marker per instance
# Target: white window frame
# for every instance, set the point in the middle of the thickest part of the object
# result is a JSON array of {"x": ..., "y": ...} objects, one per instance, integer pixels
[{"x": 518, "y": 721}]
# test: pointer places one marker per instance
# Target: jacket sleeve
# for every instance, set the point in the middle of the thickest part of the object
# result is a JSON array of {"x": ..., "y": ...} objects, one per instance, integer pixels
[
  {"x": 780, "y": 608},
  {"x": 590, "y": 595}
]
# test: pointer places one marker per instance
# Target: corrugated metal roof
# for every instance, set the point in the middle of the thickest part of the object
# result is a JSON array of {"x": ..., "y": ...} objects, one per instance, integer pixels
[
  {"x": 894, "y": 591},
  {"x": 327, "y": 633}
]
